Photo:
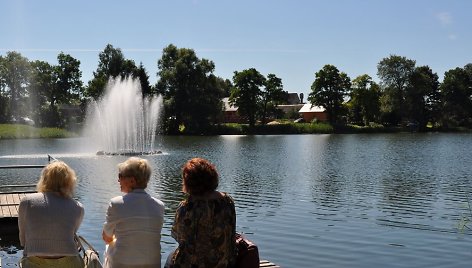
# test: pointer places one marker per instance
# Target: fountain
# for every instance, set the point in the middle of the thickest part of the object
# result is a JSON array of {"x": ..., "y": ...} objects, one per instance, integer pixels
[{"x": 122, "y": 122}]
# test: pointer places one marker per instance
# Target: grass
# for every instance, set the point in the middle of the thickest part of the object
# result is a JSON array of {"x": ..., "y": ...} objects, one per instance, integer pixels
[
  {"x": 17, "y": 131},
  {"x": 282, "y": 128}
]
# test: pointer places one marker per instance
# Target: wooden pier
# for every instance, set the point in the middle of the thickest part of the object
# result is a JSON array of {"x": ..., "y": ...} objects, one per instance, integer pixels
[{"x": 9, "y": 203}]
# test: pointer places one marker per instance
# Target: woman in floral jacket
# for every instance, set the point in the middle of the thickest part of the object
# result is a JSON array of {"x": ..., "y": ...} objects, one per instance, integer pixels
[{"x": 205, "y": 222}]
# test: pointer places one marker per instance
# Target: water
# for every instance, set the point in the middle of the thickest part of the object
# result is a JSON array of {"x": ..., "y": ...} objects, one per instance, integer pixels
[
  {"x": 122, "y": 120},
  {"x": 386, "y": 200}
]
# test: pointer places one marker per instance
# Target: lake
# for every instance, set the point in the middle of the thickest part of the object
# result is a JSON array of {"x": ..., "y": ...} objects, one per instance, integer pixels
[{"x": 361, "y": 200}]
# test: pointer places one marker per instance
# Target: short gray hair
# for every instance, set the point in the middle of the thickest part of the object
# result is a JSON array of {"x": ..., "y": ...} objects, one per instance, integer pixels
[{"x": 138, "y": 168}]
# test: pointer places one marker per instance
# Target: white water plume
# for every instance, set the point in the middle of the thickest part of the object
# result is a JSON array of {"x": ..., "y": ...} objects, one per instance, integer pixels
[{"x": 123, "y": 120}]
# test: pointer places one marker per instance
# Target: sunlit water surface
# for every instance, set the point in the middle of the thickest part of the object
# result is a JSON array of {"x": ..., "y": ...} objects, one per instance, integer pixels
[{"x": 387, "y": 200}]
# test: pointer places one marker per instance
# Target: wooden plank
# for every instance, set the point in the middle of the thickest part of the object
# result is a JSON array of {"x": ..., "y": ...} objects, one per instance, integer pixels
[
  {"x": 4, "y": 210},
  {"x": 9, "y": 204},
  {"x": 266, "y": 263}
]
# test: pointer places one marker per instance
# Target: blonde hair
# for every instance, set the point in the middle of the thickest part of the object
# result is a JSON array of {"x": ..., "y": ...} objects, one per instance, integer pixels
[
  {"x": 57, "y": 177},
  {"x": 138, "y": 168}
]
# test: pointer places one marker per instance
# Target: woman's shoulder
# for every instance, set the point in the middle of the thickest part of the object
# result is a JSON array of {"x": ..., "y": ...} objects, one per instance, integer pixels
[
  {"x": 31, "y": 196},
  {"x": 227, "y": 197},
  {"x": 215, "y": 197}
]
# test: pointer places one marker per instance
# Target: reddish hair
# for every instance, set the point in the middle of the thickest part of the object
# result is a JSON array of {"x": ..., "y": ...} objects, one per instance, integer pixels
[{"x": 199, "y": 176}]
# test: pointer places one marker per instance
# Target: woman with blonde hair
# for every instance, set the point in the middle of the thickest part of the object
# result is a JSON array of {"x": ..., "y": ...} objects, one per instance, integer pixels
[
  {"x": 132, "y": 230},
  {"x": 49, "y": 219}
]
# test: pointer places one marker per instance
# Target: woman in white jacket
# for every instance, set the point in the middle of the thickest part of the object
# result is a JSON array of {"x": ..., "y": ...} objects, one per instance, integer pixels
[{"x": 132, "y": 230}]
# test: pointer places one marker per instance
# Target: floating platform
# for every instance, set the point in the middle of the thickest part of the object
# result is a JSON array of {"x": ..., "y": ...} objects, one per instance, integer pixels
[{"x": 128, "y": 153}]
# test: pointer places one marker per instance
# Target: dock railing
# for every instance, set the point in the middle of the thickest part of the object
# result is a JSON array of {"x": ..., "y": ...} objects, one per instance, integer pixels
[{"x": 17, "y": 188}]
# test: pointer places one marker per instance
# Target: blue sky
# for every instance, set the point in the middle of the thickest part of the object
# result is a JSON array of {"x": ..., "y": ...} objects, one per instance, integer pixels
[{"x": 289, "y": 38}]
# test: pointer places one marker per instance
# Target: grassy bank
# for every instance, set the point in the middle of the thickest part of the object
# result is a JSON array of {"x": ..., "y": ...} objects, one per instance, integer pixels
[
  {"x": 15, "y": 131},
  {"x": 284, "y": 128}
]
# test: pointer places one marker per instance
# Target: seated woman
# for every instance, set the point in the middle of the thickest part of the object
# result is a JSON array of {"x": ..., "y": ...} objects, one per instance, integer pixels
[
  {"x": 134, "y": 220},
  {"x": 49, "y": 219},
  {"x": 205, "y": 222}
]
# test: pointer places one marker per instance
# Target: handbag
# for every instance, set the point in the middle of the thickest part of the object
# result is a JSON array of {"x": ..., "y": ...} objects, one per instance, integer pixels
[
  {"x": 247, "y": 252},
  {"x": 89, "y": 255}
]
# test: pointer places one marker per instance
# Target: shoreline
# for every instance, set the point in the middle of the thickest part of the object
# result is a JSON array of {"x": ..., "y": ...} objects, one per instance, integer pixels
[{"x": 12, "y": 131}]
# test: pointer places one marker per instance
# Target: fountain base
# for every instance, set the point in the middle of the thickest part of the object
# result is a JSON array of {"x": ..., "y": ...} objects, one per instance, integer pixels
[{"x": 128, "y": 153}]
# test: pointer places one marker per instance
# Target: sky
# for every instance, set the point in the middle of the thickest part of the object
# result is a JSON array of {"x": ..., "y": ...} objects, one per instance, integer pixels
[{"x": 292, "y": 39}]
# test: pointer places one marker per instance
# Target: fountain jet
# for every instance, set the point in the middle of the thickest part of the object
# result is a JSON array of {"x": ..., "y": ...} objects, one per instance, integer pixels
[{"x": 122, "y": 122}]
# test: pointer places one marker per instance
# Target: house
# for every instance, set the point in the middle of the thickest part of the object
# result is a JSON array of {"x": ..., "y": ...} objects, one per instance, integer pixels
[
  {"x": 309, "y": 112},
  {"x": 290, "y": 108},
  {"x": 293, "y": 104},
  {"x": 292, "y": 98},
  {"x": 230, "y": 112}
]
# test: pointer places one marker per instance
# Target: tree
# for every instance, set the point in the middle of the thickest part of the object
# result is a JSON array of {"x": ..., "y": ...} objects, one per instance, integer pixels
[
  {"x": 328, "y": 90},
  {"x": 3, "y": 93},
  {"x": 422, "y": 97},
  {"x": 246, "y": 94},
  {"x": 364, "y": 104},
  {"x": 456, "y": 91},
  {"x": 42, "y": 89},
  {"x": 273, "y": 95},
  {"x": 191, "y": 92},
  {"x": 69, "y": 89},
  {"x": 16, "y": 71},
  {"x": 55, "y": 85},
  {"x": 394, "y": 73},
  {"x": 146, "y": 88},
  {"x": 112, "y": 64},
  {"x": 225, "y": 85},
  {"x": 69, "y": 82}
]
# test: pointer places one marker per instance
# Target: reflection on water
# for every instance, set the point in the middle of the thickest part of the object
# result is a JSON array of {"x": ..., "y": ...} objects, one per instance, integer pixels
[{"x": 389, "y": 200}]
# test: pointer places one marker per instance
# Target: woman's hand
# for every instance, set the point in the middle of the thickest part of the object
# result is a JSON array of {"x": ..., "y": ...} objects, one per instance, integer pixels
[{"x": 106, "y": 238}]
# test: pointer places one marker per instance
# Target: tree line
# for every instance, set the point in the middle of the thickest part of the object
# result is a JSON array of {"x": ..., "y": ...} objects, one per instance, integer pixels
[{"x": 53, "y": 95}]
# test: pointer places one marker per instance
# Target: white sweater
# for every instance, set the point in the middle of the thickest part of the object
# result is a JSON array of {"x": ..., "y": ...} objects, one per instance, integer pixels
[{"x": 47, "y": 223}]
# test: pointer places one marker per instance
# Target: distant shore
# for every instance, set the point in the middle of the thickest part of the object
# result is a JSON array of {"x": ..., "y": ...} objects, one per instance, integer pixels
[{"x": 17, "y": 131}]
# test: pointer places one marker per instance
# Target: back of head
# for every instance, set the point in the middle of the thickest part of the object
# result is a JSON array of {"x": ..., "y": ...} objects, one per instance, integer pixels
[
  {"x": 199, "y": 177},
  {"x": 57, "y": 177},
  {"x": 138, "y": 168}
]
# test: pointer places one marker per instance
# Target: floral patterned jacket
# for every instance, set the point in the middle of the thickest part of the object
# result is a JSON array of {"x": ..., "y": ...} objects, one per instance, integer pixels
[{"x": 205, "y": 231}]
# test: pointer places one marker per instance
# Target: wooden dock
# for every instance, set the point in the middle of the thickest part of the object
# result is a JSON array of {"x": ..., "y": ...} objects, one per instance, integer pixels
[{"x": 9, "y": 203}]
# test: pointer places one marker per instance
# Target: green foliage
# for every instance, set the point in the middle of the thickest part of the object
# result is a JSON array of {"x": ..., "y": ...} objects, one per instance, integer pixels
[
  {"x": 457, "y": 91},
  {"x": 15, "y": 73},
  {"x": 112, "y": 64},
  {"x": 328, "y": 90},
  {"x": 247, "y": 93},
  {"x": 53, "y": 95},
  {"x": 394, "y": 73},
  {"x": 273, "y": 95},
  {"x": 422, "y": 97},
  {"x": 191, "y": 91},
  {"x": 283, "y": 128},
  {"x": 14, "y": 131},
  {"x": 364, "y": 105}
]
